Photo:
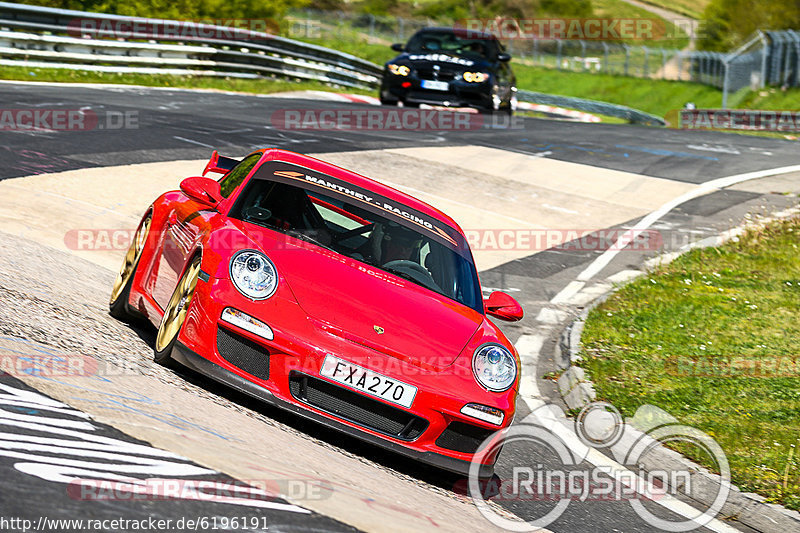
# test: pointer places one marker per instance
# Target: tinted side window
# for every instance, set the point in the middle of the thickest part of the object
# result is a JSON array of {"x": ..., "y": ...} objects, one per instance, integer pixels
[{"x": 237, "y": 174}]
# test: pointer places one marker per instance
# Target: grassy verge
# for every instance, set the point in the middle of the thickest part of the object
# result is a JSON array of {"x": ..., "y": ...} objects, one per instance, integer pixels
[
  {"x": 691, "y": 8},
  {"x": 659, "y": 97},
  {"x": 673, "y": 36},
  {"x": 259, "y": 86},
  {"x": 713, "y": 339},
  {"x": 653, "y": 96}
]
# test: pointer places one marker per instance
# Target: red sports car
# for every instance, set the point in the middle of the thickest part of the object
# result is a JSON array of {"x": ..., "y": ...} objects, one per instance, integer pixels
[{"x": 331, "y": 295}]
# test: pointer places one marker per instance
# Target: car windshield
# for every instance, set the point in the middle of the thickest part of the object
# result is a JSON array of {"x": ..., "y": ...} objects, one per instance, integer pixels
[
  {"x": 426, "y": 42},
  {"x": 361, "y": 225}
]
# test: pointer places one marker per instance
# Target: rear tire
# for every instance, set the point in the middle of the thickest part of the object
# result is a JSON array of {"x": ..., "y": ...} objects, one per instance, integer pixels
[
  {"x": 175, "y": 314},
  {"x": 118, "y": 304}
]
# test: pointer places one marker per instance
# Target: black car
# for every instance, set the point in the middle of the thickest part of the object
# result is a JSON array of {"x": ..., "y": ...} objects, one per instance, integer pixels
[{"x": 450, "y": 67}]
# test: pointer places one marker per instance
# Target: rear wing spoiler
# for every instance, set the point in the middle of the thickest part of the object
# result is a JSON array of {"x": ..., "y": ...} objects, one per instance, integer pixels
[{"x": 219, "y": 164}]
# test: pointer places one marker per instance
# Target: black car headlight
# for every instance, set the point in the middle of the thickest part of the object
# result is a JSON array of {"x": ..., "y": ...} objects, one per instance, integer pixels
[
  {"x": 399, "y": 70},
  {"x": 476, "y": 77},
  {"x": 253, "y": 274},
  {"x": 494, "y": 367}
]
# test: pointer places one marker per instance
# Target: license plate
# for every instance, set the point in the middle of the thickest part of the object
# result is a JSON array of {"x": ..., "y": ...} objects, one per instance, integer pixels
[
  {"x": 435, "y": 85},
  {"x": 368, "y": 382}
]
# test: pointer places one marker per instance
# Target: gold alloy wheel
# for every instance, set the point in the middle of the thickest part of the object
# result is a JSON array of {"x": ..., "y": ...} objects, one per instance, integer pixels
[
  {"x": 178, "y": 305},
  {"x": 131, "y": 260}
]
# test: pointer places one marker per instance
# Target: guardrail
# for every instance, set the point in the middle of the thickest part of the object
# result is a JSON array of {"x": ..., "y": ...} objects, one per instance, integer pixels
[
  {"x": 58, "y": 38},
  {"x": 61, "y": 38},
  {"x": 633, "y": 116}
]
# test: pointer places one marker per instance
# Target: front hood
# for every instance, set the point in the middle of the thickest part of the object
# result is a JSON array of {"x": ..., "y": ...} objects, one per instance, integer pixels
[{"x": 354, "y": 301}]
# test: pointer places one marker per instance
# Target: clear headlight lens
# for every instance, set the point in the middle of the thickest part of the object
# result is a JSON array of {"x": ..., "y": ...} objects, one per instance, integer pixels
[
  {"x": 399, "y": 70},
  {"x": 494, "y": 367},
  {"x": 253, "y": 274},
  {"x": 476, "y": 77}
]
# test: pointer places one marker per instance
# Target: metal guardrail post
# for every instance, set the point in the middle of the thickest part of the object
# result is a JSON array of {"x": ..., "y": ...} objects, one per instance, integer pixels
[
  {"x": 583, "y": 54},
  {"x": 627, "y": 57},
  {"x": 645, "y": 69},
  {"x": 559, "y": 44},
  {"x": 764, "y": 54}
]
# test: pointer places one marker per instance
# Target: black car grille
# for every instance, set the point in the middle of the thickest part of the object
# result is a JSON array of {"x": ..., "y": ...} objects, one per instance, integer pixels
[
  {"x": 356, "y": 408},
  {"x": 445, "y": 74},
  {"x": 243, "y": 353},
  {"x": 461, "y": 437}
]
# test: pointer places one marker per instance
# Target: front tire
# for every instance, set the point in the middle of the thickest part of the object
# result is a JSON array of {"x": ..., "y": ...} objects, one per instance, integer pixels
[
  {"x": 120, "y": 293},
  {"x": 175, "y": 314}
]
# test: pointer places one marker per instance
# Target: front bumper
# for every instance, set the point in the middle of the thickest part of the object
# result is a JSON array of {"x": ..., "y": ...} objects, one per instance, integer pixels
[
  {"x": 192, "y": 360},
  {"x": 435, "y": 426},
  {"x": 460, "y": 94}
]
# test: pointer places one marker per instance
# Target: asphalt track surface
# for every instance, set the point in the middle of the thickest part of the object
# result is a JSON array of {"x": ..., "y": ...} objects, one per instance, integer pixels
[{"x": 173, "y": 124}]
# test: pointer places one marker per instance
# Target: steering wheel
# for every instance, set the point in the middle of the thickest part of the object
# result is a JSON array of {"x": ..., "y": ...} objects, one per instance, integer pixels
[{"x": 424, "y": 276}]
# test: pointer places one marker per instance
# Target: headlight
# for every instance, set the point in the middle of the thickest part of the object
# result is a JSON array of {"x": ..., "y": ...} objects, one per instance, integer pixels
[
  {"x": 400, "y": 70},
  {"x": 253, "y": 274},
  {"x": 495, "y": 367},
  {"x": 476, "y": 77}
]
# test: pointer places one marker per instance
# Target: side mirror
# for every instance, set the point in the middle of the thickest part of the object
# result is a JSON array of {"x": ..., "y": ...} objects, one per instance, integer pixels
[
  {"x": 219, "y": 164},
  {"x": 202, "y": 190},
  {"x": 398, "y": 47},
  {"x": 501, "y": 305},
  {"x": 503, "y": 57}
]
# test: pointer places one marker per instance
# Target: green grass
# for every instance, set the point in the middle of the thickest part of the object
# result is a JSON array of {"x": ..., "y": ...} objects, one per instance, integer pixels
[
  {"x": 653, "y": 96},
  {"x": 667, "y": 339},
  {"x": 617, "y": 9},
  {"x": 259, "y": 86},
  {"x": 691, "y": 8}
]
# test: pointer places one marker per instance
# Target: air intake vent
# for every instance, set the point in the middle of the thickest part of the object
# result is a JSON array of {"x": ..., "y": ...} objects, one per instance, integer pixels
[
  {"x": 461, "y": 437},
  {"x": 243, "y": 353},
  {"x": 356, "y": 407}
]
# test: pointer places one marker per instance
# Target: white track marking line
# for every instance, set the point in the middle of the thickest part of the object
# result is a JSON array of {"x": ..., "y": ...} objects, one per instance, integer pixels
[
  {"x": 193, "y": 142},
  {"x": 567, "y": 292},
  {"x": 601, "y": 262},
  {"x": 529, "y": 346},
  {"x": 551, "y": 316}
]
